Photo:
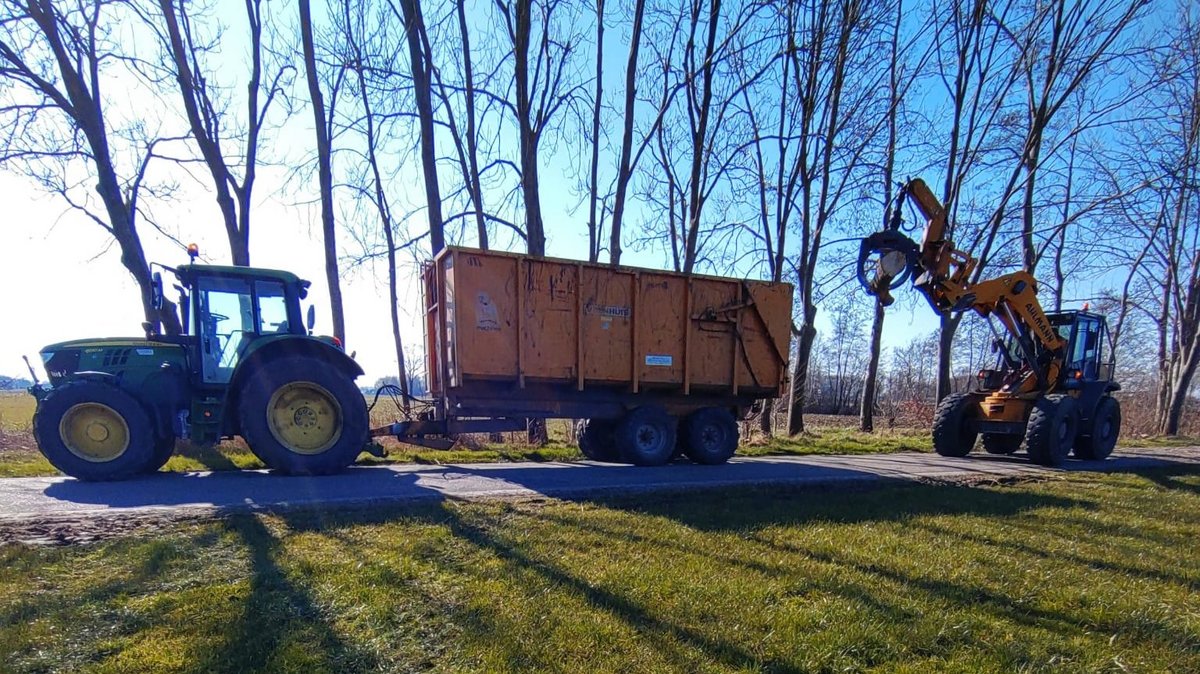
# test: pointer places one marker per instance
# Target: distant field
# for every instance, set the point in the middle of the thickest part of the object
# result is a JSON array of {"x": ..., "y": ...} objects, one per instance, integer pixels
[
  {"x": 1087, "y": 573},
  {"x": 826, "y": 435}
]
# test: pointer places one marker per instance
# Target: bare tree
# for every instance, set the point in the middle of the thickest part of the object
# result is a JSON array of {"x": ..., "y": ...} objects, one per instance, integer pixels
[
  {"x": 543, "y": 44},
  {"x": 210, "y": 120},
  {"x": 420, "y": 67},
  {"x": 324, "y": 168},
  {"x": 53, "y": 104}
]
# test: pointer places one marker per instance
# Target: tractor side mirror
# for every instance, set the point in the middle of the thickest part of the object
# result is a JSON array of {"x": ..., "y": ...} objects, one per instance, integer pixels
[
  {"x": 157, "y": 292},
  {"x": 310, "y": 320}
]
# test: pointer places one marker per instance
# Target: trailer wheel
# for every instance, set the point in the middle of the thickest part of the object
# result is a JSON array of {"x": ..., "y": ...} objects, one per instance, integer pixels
[
  {"x": 303, "y": 417},
  {"x": 1001, "y": 443},
  {"x": 710, "y": 435},
  {"x": 93, "y": 431},
  {"x": 1102, "y": 434},
  {"x": 952, "y": 433},
  {"x": 596, "y": 440},
  {"x": 646, "y": 436},
  {"x": 1052, "y": 429}
]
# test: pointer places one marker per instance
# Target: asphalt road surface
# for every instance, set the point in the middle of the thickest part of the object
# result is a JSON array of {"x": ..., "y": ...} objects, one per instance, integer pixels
[{"x": 49, "y": 497}]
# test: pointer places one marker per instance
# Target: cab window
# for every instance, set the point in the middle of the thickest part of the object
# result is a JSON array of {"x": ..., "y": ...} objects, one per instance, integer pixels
[
  {"x": 223, "y": 323},
  {"x": 272, "y": 308}
]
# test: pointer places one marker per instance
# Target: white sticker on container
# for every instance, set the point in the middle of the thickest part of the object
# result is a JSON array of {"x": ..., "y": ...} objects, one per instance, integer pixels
[{"x": 659, "y": 360}]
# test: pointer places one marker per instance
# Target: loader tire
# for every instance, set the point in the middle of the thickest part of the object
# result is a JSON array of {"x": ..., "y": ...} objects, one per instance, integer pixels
[
  {"x": 596, "y": 440},
  {"x": 302, "y": 417},
  {"x": 1097, "y": 441},
  {"x": 1053, "y": 424},
  {"x": 93, "y": 431},
  {"x": 645, "y": 436},
  {"x": 1001, "y": 443},
  {"x": 710, "y": 435},
  {"x": 952, "y": 432}
]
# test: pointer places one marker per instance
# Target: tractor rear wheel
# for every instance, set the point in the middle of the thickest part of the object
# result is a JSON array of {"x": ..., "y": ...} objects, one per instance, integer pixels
[
  {"x": 710, "y": 435},
  {"x": 1051, "y": 431},
  {"x": 1096, "y": 442},
  {"x": 1001, "y": 443},
  {"x": 164, "y": 447},
  {"x": 646, "y": 436},
  {"x": 302, "y": 417},
  {"x": 92, "y": 430},
  {"x": 952, "y": 432},
  {"x": 596, "y": 440}
]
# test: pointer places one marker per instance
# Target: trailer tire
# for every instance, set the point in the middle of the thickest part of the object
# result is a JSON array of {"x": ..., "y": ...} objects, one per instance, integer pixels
[
  {"x": 1102, "y": 433},
  {"x": 1001, "y": 443},
  {"x": 952, "y": 433},
  {"x": 93, "y": 431},
  {"x": 710, "y": 435},
  {"x": 596, "y": 440},
  {"x": 645, "y": 436},
  {"x": 301, "y": 416},
  {"x": 1052, "y": 429}
]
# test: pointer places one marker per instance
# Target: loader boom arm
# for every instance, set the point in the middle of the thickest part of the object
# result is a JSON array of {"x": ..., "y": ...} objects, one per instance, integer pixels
[{"x": 943, "y": 273}]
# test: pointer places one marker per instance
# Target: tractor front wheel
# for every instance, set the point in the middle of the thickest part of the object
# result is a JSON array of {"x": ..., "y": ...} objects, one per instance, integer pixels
[
  {"x": 1051, "y": 430},
  {"x": 93, "y": 431},
  {"x": 952, "y": 431},
  {"x": 302, "y": 417}
]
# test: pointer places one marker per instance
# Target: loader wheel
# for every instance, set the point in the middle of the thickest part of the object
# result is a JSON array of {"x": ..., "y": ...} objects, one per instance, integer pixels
[
  {"x": 952, "y": 432},
  {"x": 710, "y": 435},
  {"x": 646, "y": 436},
  {"x": 1101, "y": 436},
  {"x": 596, "y": 440},
  {"x": 93, "y": 431},
  {"x": 302, "y": 417},
  {"x": 1051, "y": 430},
  {"x": 1001, "y": 443}
]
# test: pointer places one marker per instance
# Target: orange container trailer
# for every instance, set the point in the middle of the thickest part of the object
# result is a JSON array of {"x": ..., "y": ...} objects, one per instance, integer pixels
[{"x": 653, "y": 361}]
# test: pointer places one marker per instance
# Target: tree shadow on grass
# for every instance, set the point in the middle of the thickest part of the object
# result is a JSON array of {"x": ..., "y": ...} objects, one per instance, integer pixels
[
  {"x": 281, "y": 626},
  {"x": 1169, "y": 479}
]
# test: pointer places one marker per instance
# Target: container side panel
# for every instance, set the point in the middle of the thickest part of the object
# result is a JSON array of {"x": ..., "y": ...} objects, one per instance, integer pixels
[
  {"x": 485, "y": 328},
  {"x": 767, "y": 333},
  {"x": 607, "y": 324},
  {"x": 548, "y": 326},
  {"x": 433, "y": 340},
  {"x": 660, "y": 328},
  {"x": 714, "y": 312}
]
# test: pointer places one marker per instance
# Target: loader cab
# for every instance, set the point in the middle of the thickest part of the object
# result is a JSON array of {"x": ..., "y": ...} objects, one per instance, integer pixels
[
  {"x": 226, "y": 309},
  {"x": 1089, "y": 356}
]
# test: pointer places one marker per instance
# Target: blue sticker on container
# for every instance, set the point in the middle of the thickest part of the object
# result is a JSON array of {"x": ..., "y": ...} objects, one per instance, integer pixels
[{"x": 659, "y": 360}]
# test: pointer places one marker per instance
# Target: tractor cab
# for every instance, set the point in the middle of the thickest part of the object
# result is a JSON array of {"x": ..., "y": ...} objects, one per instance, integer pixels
[{"x": 226, "y": 310}]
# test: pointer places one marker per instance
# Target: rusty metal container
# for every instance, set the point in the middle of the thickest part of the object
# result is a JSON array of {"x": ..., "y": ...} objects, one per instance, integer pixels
[{"x": 509, "y": 335}]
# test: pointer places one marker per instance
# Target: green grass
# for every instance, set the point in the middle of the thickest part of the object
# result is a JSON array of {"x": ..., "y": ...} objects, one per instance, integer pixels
[{"x": 1084, "y": 574}]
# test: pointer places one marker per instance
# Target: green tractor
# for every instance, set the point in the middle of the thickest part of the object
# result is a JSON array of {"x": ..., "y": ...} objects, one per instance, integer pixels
[{"x": 240, "y": 362}]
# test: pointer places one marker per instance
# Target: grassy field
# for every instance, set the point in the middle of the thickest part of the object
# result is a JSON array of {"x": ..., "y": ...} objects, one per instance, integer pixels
[{"x": 1089, "y": 573}]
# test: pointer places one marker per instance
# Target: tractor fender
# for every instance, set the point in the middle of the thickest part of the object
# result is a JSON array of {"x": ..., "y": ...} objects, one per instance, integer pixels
[{"x": 267, "y": 349}]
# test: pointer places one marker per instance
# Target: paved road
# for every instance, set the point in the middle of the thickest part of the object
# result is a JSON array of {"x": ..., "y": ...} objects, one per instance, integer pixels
[{"x": 50, "y": 497}]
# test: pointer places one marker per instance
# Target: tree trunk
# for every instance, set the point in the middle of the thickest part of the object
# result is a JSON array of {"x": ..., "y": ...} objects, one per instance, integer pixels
[
  {"x": 866, "y": 418},
  {"x": 534, "y": 229},
  {"x": 624, "y": 172},
  {"x": 414, "y": 33},
  {"x": 472, "y": 134},
  {"x": 593, "y": 196},
  {"x": 797, "y": 394},
  {"x": 948, "y": 325},
  {"x": 324, "y": 173}
]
